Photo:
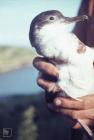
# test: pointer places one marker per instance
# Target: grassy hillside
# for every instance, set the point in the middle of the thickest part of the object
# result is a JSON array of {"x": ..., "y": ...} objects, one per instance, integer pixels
[{"x": 14, "y": 58}]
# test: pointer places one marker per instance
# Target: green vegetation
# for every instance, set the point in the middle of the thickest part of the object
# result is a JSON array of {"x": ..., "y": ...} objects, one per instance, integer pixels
[
  {"x": 30, "y": 119},
  {"x": 27, "y": 128},
  {"x": 14, "y": 58}
]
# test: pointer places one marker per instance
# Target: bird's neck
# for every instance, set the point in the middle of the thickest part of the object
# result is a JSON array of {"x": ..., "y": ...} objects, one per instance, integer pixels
[
  {"x": 52, "y": 30},
  {"x": 55, "y": 40}
]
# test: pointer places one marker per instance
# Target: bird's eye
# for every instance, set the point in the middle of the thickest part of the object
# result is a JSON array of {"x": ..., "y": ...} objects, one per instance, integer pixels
[{"x": 51, "y": 18}]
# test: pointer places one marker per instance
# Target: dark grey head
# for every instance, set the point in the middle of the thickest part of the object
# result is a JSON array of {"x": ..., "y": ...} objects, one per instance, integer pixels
[{"x": 49, "y": 17}]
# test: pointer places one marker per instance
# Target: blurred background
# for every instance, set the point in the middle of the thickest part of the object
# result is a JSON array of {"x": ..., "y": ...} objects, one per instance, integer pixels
[
  {"x": 22, "y": 104},
  {"x": 16, "y": 53}
]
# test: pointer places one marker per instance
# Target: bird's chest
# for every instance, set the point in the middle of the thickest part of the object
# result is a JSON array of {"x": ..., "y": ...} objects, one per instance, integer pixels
[
  {"x": 55, "y": 39},
  {"x": 54, "y": 44},
  {"x": 77, "y": 79}
]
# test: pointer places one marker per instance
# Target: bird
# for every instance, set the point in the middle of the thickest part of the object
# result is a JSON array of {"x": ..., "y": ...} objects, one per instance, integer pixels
[{"x": 75, "y": 61}]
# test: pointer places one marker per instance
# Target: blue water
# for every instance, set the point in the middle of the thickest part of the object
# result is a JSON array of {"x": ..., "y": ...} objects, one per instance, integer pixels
[{"x": 22, "y": 81}]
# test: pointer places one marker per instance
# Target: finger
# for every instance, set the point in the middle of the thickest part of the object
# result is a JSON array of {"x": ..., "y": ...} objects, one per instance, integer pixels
[
  {"x": 82, "y": 114},
  {"x": 88, "y": 101},
  {"x": 45, "y": 84},
  {"x": 88, "y": 122},
  {"x": 48, "y": 85},
  {"x": 74, "y": 124},
  {"x": 69, "y": 103},
  {"x": 47, "y": 77},
  {"x": 42, "y": 65}
]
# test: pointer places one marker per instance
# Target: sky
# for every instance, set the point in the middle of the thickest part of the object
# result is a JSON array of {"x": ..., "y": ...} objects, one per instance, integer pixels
[{"x": 16, "y": 16}]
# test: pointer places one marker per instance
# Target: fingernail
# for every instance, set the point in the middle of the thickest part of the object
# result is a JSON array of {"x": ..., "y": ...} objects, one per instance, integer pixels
[{"x": 58, "y": 102}]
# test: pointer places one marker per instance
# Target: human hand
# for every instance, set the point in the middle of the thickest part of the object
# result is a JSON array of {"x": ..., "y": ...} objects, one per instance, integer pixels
[
  {"x": 74, "y": 109},
  {"x": 69, "y": 107},
  {"x": 48, "y": 74},
  {"x": 48, "y": 78}
]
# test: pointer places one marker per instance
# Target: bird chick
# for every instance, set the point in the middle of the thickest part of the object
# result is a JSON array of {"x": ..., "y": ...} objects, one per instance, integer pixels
[
  {"x": 74, "y": 60},
  {"x": 49, "y": 37}
]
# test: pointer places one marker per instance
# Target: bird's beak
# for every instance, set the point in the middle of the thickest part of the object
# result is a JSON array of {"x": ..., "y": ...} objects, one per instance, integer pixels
[{"x": 75, "y": 19}]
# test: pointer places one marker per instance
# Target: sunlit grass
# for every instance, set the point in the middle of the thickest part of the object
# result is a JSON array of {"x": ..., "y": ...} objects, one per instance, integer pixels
[{"x": 13, "y": 58}]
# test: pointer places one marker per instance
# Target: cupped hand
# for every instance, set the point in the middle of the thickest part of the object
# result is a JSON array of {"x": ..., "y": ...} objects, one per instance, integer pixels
[
  {"x": 81, "y": 109},
  {"x": 48, "y": 74},
  {"x": 74, "y": 109}
]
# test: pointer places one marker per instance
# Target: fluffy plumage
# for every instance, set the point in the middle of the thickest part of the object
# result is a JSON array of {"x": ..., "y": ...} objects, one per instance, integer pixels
[
  {"x": 74, "y": 60},
  {"x": 49, "y": 37}
]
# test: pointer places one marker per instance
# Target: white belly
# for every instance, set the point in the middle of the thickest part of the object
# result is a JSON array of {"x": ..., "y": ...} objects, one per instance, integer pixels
[{"x": 77, "y": 80}]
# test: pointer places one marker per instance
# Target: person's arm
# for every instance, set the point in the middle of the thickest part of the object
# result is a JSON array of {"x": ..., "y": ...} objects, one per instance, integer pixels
[{"x": 74, "y": 109}]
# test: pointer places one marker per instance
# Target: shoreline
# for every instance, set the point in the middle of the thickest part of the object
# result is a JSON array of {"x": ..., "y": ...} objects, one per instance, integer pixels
[
  {"x": 15, "y": 58},
  {"x": 16, "y": 68}
]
